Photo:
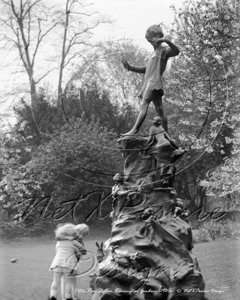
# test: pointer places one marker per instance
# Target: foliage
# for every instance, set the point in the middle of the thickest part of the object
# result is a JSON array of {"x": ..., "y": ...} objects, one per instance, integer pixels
[
  {"x": 77, "y": 152},
  {"x": 193, "y": 167},
  {"x": 224, "y": 181},
  {"x": 88, "y": 102},
  {"x": 78, "y": 160},
  {"x": 205, "y": 85},
  {"x": 201, "y": 90},
  {"x": 213, "y": 230},
  {"x": 93, "y": 103},
  {"x": 62, "y": 151},
  {"x": 105, "y": 68}
]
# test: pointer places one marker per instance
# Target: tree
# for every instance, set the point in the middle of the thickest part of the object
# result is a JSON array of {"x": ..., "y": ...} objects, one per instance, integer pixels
[
  {"x": 223, "y": 182},
  {"x": 80, "y": 159},
  {"x": 30, "y": 27},
  {"x": 105, "y": 68},
  {"x": 208, "y": 71},
  {"x": 90, "y": 103},
  {"x": 97, "y": 105},
  {"x": 24, "y": 28},
  {"x": 78, "y": 152},
  {"x": 47, "y": 119},
  {"x": 78, "y": 25},
  {"x": 201, "y": 90}
]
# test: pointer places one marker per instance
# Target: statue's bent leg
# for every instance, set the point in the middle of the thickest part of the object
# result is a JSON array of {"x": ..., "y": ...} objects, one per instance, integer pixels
[{"x": 157, "y": 101}]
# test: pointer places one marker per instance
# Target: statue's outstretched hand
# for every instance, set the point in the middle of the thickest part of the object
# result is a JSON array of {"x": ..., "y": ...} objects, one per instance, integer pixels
[{"x": 126, "y": 65}]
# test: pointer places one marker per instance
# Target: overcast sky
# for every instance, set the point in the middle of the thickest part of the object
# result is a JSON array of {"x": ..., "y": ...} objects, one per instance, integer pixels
[{"x": 133, "y": 17}]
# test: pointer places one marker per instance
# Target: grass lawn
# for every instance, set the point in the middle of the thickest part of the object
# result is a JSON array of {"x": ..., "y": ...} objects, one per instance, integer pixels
[{"x": 29, "y": 278}]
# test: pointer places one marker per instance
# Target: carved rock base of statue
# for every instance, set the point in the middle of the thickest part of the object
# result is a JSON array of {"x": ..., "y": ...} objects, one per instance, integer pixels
[{"x": 148, "y": 255}]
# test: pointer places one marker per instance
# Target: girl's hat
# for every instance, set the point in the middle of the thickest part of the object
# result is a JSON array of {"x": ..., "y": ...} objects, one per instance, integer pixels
[{"x": 154, "y": 31}]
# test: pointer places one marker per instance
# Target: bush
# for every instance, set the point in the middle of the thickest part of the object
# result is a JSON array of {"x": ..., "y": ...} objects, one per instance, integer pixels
[
  {"x": 201, "y": 235},
  {"x": 16, "y": 229},
  {"x": 212, "y": 230}
]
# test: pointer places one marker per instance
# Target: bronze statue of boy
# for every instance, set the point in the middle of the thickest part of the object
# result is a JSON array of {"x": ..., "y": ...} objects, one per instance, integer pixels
[{"x": 152, "y": 90}]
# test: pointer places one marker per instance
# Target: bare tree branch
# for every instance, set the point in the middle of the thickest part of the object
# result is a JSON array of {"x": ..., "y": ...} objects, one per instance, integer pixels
[
  {"x": 83, "y": 14},
  {"x": 41, "y": 37},
  {"x": 29, "y": 23},
  {"x": 37, "y": 81},
  {"x": 29, "y": 28},
  {"x": 71, "y": 58},
  {"x": 30, "y": 7}
]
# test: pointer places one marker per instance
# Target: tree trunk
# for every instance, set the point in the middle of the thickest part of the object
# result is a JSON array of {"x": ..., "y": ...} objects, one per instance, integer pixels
[
  {"x": 33, "y": 95},
  {"x": 63, "y": 55}
]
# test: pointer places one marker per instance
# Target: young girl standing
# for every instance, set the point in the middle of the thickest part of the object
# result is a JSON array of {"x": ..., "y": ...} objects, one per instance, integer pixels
[
  {"x": 65, "y": 260},
  {"x": 81, "y": 231}
]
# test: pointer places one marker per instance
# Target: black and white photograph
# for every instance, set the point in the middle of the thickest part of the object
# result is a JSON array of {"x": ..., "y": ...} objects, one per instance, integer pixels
[{"x": 120, "y": 149}]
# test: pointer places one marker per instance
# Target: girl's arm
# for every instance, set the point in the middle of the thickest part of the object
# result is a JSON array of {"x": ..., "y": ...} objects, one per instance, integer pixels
[
  {"x": 65, "y": 237},
  {"x": 79, "y": 247},
  {"x": 133, "y": 69}
]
